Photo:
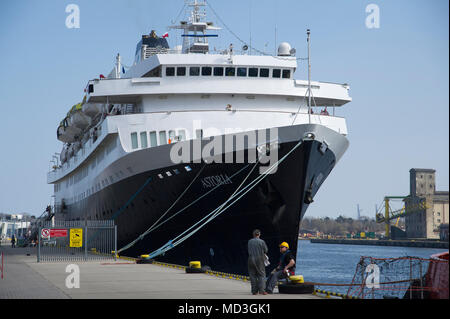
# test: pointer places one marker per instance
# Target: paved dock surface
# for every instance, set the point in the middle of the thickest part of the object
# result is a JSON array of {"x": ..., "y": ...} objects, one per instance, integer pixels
[{"x": 25, "y": 278}]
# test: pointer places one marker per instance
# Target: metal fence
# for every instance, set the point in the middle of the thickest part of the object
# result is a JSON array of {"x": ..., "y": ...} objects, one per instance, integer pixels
[{"x": 77, "y": 240}]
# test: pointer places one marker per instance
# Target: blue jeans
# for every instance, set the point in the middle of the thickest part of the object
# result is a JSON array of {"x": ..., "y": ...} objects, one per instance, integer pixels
[{"x": 273, "y": 279}]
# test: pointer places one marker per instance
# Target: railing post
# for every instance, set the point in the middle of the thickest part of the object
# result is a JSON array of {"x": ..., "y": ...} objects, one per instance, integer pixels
[
  {"x": 85, "y": 241},
  {"x": 39, "y": 244},
  {"x": 115, "y": 242}
]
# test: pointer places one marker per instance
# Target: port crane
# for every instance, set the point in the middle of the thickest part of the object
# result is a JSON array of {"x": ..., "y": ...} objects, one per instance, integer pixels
[{"x": 390, "y": 214}]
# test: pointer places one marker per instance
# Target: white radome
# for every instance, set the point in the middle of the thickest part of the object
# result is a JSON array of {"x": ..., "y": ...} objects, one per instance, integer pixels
[{"x": 284, "y": 49}]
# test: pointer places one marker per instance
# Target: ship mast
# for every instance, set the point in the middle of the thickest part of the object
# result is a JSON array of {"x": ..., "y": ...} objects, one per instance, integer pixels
[
  {"x": 195, "y": 38},
  {"x": 309, "y": 76}
]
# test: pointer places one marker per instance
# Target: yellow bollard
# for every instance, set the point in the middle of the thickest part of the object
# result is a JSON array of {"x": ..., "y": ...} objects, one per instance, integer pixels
[{"x": 195, "y": 264}]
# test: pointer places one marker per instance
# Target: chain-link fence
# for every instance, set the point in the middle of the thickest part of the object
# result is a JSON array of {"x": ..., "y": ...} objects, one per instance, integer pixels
[{"x": 77, "y": 240}]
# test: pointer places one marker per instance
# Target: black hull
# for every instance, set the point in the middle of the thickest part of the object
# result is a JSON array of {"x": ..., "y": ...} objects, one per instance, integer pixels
[{"x": 275, "y": 206}]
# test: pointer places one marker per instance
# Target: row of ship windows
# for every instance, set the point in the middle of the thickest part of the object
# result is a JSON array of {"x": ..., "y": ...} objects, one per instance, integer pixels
[
  {"x": 176, "y": 171},
  {"x": 83, "y": 172},
  {"x": 98, "y": 186},
  {"x": 106, "y": 182},
  {"x": 134, "y": 141},
  {"x": 228, "y": 71},
  {"x": 173, "y": 136}
]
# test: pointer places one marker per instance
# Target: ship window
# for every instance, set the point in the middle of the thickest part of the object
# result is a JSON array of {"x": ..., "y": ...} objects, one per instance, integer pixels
[
  {"x": 171, "y": 136},
  {"x": 276, "y": 73},
  {"x": 230, "y": 71},
  {"x": 242, "y": 72},
  {"x": 264, "y": 73},
  {"x": 162, "y": 138},
  {"x": 160, "y": 176},
  {"x": 206, "y": 70},
  {"x": 144, "y": 140},
  {"x": 181, "y": 71},
  {"x": 153, "y": 140},
  {"x": 253, "y": 72},
  {"x": 218, "y": 71},
  {"x": 286, "y": 74},
  {"x": 134, "y": 140},
  {"x": 155, "y": 73},
  {"x": 170, "y": 71},
  {"x": 194, "y": 71},
  {"x": 182, "y": 135}
]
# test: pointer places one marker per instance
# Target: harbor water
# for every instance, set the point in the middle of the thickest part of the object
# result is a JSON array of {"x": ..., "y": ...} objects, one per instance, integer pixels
[{"x": 335, "y": 263}]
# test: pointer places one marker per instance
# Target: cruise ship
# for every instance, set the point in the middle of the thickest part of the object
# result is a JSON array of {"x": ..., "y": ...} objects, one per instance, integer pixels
[{"x": 191, "y": 148}]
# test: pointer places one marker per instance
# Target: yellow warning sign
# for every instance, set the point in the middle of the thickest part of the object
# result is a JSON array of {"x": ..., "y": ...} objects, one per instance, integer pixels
[{"x": 76, "y": 237}]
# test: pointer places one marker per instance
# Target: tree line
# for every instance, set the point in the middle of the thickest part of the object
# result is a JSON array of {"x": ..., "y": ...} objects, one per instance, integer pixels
[{"x": 340, "y": 226}]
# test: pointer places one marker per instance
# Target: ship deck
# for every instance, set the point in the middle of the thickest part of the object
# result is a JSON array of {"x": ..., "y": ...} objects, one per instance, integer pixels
[{"x": 25, "y": 278}]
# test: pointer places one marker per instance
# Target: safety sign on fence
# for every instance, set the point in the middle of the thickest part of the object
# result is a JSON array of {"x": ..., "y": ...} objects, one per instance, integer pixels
[
  {"x": 82, "y": 240},
  {"x": 45, "y": 233},
  {"x": 76, "y": 237},
  {"x": 58, "y": 233}
]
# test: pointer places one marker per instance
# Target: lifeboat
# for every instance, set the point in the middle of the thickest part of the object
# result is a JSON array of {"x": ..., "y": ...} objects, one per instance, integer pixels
[
  {"x": 76, "y": 147},
  {"x": 70, "y": 151},
  {"x": 67, "y": 133},
  {"x": 63, "y": 155},
  {"x": 77, "y": 118},
  {"x": 91, "y": 109}
]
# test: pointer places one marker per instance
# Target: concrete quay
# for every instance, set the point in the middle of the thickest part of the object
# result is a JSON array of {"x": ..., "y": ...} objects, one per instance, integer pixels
[{"x": 25, "y": 278}]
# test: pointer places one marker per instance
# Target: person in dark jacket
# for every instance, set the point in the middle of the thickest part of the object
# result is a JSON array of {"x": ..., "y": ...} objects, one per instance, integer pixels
[
  {"x": 257, "y": 249},
  {"x": 13, "y": 241},
  {"x": 285, "y": 268}
]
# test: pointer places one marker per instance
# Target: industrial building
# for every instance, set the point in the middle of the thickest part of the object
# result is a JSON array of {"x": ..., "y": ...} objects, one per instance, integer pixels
[{"x": 425, "y": 222}]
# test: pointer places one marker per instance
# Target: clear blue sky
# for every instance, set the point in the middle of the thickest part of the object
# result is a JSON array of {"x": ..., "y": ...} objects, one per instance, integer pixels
[{"x": 398, "y": 76}]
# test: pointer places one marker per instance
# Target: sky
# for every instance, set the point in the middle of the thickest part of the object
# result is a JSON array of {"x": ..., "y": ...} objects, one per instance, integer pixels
[{"x": 398, "y": 75}]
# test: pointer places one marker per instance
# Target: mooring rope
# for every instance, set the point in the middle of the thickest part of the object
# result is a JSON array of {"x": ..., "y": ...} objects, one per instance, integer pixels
[
  {"x": 219, "y": 210},
  {"x": 154, "y": 227},
  {"x": 165, "y": 213}
]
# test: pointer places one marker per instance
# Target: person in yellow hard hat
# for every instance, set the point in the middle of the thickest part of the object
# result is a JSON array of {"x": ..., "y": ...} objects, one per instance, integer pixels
[{"x": 285, "y": 268}]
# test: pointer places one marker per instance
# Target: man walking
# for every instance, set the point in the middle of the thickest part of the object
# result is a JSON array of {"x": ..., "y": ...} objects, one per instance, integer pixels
[{"x": 257, "y": 249}]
